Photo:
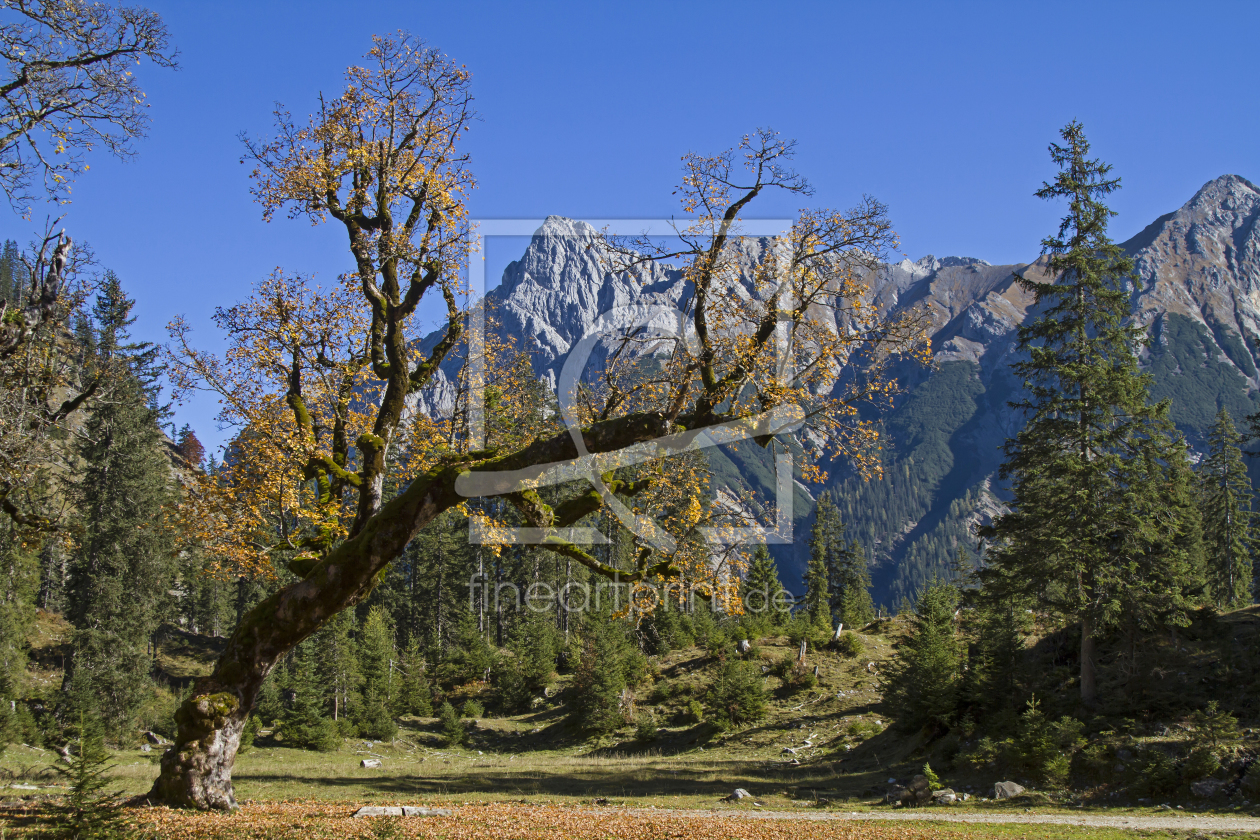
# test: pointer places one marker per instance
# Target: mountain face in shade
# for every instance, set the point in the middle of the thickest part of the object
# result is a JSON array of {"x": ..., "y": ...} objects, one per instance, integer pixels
[{"x": 1196, "y": 291}]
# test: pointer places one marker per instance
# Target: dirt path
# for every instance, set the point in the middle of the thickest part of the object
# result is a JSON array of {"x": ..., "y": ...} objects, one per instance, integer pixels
[{"x": 1134, "y": 821}]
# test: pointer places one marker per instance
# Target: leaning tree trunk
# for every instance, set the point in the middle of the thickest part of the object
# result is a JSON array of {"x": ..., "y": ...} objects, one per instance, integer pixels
[{"x": 197, "y": 770}]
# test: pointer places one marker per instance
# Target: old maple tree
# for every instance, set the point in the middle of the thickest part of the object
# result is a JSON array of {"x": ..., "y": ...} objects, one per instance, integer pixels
[{"x": 333, "y": 473}]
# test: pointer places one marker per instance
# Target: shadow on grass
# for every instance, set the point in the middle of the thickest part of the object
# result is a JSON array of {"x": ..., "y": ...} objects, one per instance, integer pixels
[{"x": 709, "y": 779}]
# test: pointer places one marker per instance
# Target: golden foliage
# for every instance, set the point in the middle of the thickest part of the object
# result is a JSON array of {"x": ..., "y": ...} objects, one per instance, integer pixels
[{"x": 319, "y": 381}]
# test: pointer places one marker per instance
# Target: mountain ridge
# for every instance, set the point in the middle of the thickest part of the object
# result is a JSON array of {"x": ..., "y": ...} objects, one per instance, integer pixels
[{"x": 1196, "y": 291}]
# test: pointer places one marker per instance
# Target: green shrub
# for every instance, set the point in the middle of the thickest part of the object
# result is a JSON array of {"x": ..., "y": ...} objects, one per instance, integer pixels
[
  {"x": 414, "y": 695},
  {"x": 718, "y": 645},
  {"x": 850, "y": 645},
  {"x": 666, "y": 630},
  {"x": 934, "y": 781},
  {"x": 663, "y": 691},
  {"x": 800, "y": 628},
  {"x": 703, "y": 624},
  {"x": 921, "y": 684},
  {"x": 515, "y": 692},
  {"x": 754, "y": 627},
  {"x": 454, "y": 732},
  {"x": 611, "y": 663},
  {"x": 1156, "y": 774},
  {"x": 983, "y": 755},
  {"x": 737, "y": 696},
  {"x": 473, "y": 709},
  {"x": 1251, "y": 781},
  {"x": 1200, "y": 764},
  {"x": 373, "y": 718},
  {"x": 795, "y": 676},
  {"x": 1213, "y": 727},
  {"x": 695, "y": 711},
  {"x": 17, "y": 725},
  {"x": 1098, "y": 762},
  {"x": 1043, "y": 748},
  {"x": 645, "y": 727},
  {"x": 88, "y": 811},
  {"x": 269, "y": 705},
  {"x": 862, "y": 728},
  {"x": 302, "y": 723}
]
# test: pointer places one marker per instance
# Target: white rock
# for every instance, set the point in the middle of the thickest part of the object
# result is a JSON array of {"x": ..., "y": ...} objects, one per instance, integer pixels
[
  {"x": 1007, "y": 790},
  {"x": 370, "y": 762}
]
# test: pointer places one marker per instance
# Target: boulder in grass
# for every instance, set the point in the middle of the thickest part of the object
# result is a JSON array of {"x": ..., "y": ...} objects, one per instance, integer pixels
[
  {"x": 744, "y": 646},
  {"x": 918, "y": 792},
  {"x": 944, "y": 796},
  {"x": 894, "y": 795},
  {"x": 420, "y": 811},
  {"x": 1007, "y": 790},
  {"x": 738, "y": 794},
  {"x": 156, "y": 739},
  {"x": 370, "y": 763},
  {"x": 379, "y": 811}
]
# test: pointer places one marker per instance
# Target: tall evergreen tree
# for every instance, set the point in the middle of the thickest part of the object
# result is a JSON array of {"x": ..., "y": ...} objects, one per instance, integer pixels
[
  {"x": 1089, "y": 532},
  {"x": 120, "y": 577},
  {"x": 825, "y": 539},
  {"x": 12, "y": 274},
  {"x": 337, "y": 663},
  {"x": 762, "y": 592},
  {"x": 377, "y": 662},
  {"x": 302, "y": 722},
  {"x": 610, "y": 663},
  {"x": 414, "y": 695},
  {"x": 1229, "y": 536},
  {"x": 849, "y": 582},
  {"x": 996, "y": 659},
  {"x": 922, "y": 684}
]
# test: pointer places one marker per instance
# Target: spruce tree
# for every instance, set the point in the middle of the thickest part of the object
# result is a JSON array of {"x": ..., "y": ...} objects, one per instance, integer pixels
[
  {"x": 995, "y": 664},
  {"x": 414, "y": 695},
  {"x": 12, "y": 274},
  {"x": 337, "y": 663},
  {"x": 119, "y": 580},
  {"x": 377, "y": 660},
  {"x": 1228, "y": 521},
  {"x": 609, "y": 664},
  {"x": 922, "y": 684},
  {"x": 849, "y": 581},
  {"x": 1089, "y": 532},
  {"x": 826, "y": 538},
  {"x": 762, "y": 592},
  {"x": 302, "y": 723},
  {"x": 89, "y": 810}
]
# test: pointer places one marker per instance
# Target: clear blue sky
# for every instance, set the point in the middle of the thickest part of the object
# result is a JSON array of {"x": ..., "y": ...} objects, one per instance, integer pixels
[{"x": 941, "y": 110}]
